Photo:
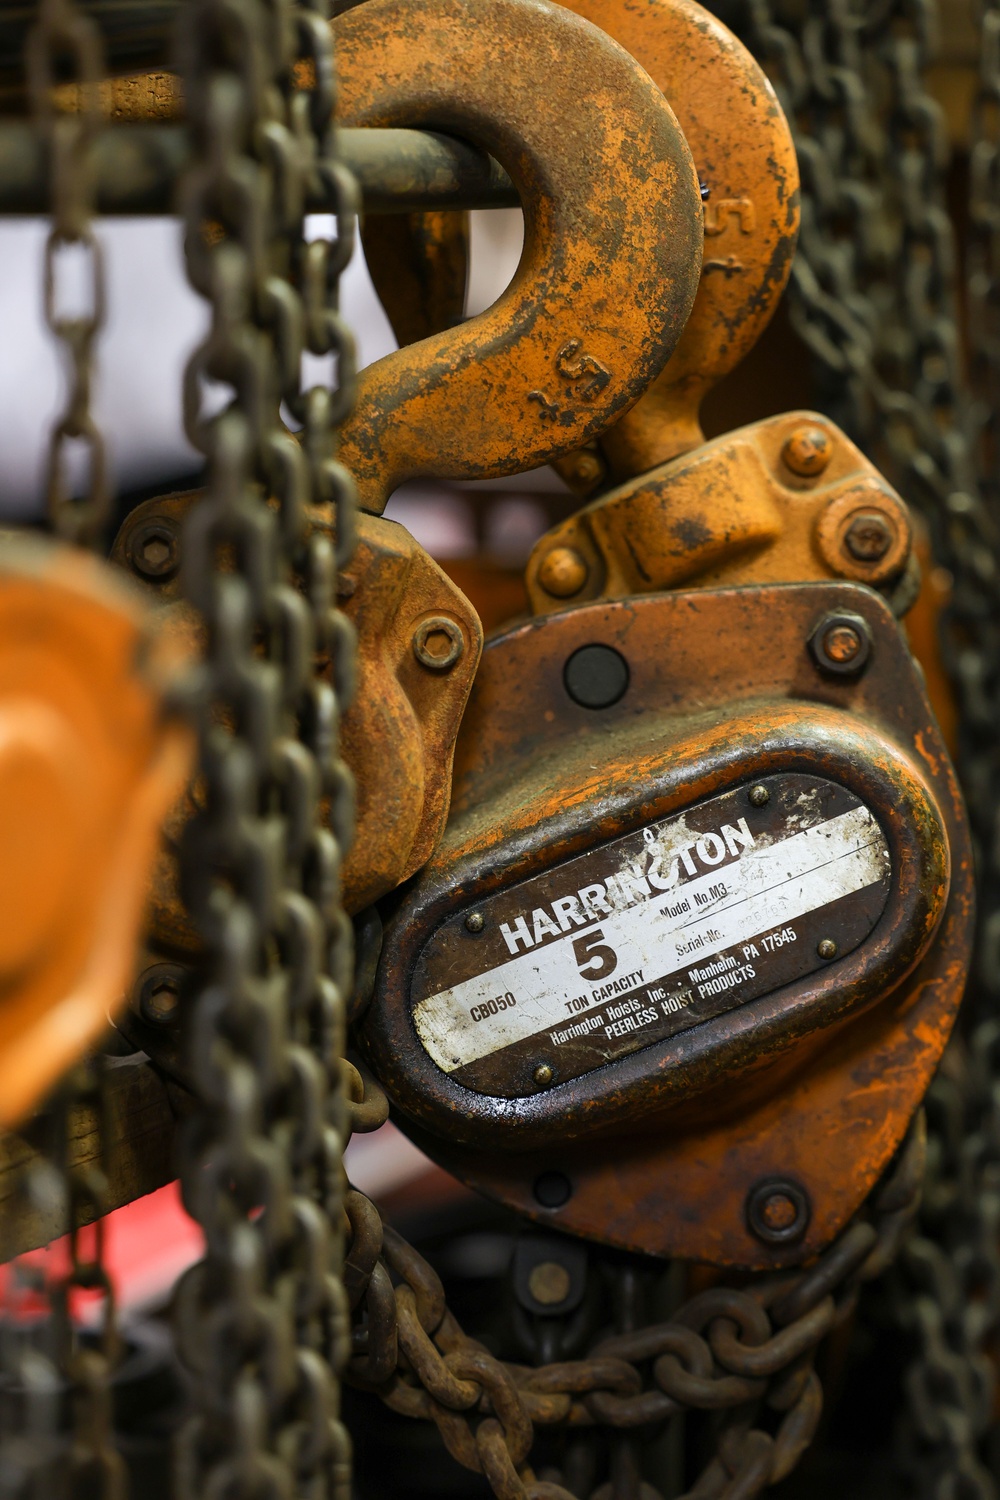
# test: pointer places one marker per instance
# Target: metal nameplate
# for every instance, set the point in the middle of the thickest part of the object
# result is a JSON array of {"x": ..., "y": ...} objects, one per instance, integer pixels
[{"x": 650, "y": 934}]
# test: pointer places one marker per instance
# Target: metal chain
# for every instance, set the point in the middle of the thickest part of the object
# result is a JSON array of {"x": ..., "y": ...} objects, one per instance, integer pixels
[
  {"x": 56, "y": 1432},
  {"x": 262, "y": 1320},
  {"x": 983, "y": 269},
  {"x": 64, "y": 34},
  {"x": 746, "y": 1355},
  {"x": 874, "y": 298}
]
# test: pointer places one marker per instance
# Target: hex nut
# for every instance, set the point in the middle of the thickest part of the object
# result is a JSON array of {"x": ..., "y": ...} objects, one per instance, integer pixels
[
  {"x": 563, "y": 572},
  {"x": 807, "y": 451},
  {"x": 154, "y": 549},
  {"x": 778, "y": 1211},
  {"x": 438, "y": 643},
  {"x": 842, "y": 644},
  {"x": 157, "y": 993}
]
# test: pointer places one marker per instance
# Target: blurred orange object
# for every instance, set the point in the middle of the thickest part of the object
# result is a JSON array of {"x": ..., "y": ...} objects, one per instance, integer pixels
[{"x": 89, "y": 766}]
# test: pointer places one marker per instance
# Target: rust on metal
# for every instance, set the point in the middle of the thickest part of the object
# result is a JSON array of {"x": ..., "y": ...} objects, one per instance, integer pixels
[
  {"x": 731, "y": 512},
  {"x": 612, "y": 236},
  {"x": 743, "y": 151},
  {"x": 419, "y": 266},
  {"x": 419, "y": 643},
  {"x": 89, "y": 765},
  {"x": 660, "y": 1145}
]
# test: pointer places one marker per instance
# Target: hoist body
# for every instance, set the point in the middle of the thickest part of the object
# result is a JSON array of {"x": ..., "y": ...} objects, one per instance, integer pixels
[{"x": 699, "y": 921}]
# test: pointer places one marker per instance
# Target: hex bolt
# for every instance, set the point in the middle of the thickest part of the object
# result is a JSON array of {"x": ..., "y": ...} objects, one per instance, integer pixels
[
  {"x": 549, "y": 1283},
  {"x": 826, "y": 948},
  {"x": 869, "y": 536},
  {"x": 778, "y": 1211},
  {"x": 438, "y": 643},
  {"x": 158, "y": 993},
  {"x": 842, "y": 644},
  {"x": 543, "y": 1075},
  {"x": 563, "y": 572},
  {"x": 759, "y": 796},
  {"x": 807, "y": 451},
  {"x": 475, "y": 922},
  {"x": 596, "y": 676},
  {"x": 154, "y": 549}
]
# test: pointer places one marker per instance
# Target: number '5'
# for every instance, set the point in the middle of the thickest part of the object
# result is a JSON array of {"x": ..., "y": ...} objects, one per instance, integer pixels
[{"x": 603, "y": 960}]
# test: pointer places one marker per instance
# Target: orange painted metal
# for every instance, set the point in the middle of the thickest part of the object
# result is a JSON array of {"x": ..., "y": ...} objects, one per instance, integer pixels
[
  {"x": 742, "y": 148},
  {"x": 816, "y": 1081},
  {"x": 89, "y": 765},
  {"x": 612, "y": 236},
  {"x": 398, "y": 734},
  {"x": 732, "y": 512}
]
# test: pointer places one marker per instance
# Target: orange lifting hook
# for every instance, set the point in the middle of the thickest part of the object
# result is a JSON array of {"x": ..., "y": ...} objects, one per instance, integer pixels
[{"x": 612, "y": 236}]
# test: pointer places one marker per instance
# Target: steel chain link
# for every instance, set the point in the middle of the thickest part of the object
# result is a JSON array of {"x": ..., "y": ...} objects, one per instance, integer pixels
[
  {"x": 55, "y": 1375},
  {"x": 744, "y": 1354},
  {"x": 875, "y": 300},
  {"x": 63, "y": 35},
  {"x": 262, "y": 1321}
]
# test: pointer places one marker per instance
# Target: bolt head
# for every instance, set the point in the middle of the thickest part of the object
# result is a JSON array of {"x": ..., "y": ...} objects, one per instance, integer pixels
[
  {"x": 759, "y": 796},
  {"x": 157, "y": 996},
  {"x": 543, "y": 1075},
  {"x": 475, "y": 921},
  {"x": 549, "y": 1283},
  {"x": 826, "y": 948},
  {"x": 154, "y": 549},
  {"x": 563, "y": 572},
  {"x": 438, "y": 643},
  {"x": 841, "y": 643},
  {"x": 869, "y": 536},
  {"x": 807, "y": 451}
]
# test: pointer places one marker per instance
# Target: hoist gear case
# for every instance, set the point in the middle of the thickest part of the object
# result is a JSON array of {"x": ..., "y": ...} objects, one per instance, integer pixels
[{"x": 545, "y": 1002}]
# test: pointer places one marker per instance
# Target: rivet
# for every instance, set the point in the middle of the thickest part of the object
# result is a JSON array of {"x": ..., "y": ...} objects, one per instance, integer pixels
[
  {"x": 869, "y": 536},
  {"x": 778, "y": 1211},
  {"x": 759, "y": 796},
  {"x": 438, "y": 643},
  {"x": 826, "y": 948},
  {"x": 549, "y": 1283},
  {"x": 475, "y": 921},
  {"x": 563, "y": 572},
  {"x": 807, "y": 451},
  {"x": 542, "y": 1075}
]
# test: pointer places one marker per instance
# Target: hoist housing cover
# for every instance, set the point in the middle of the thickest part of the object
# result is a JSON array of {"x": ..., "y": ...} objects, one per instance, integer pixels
[{"x": 745, "y": 883}]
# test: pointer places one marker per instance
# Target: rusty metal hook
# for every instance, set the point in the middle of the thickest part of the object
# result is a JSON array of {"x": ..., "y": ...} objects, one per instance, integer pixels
[
  {"x": 742, "y": 147},
  {"x": 612, "y": 236}
]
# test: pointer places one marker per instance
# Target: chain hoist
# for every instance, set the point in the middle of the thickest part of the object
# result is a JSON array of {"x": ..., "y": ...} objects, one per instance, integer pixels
[{"x": 699, "y": 891}]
